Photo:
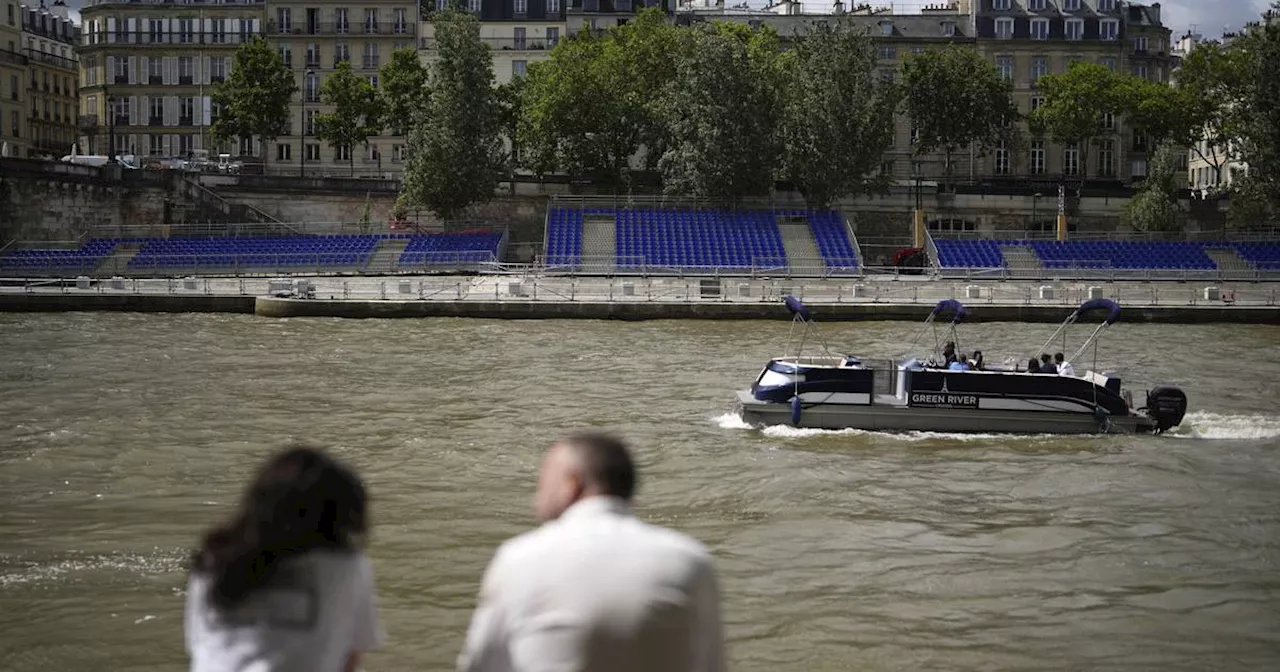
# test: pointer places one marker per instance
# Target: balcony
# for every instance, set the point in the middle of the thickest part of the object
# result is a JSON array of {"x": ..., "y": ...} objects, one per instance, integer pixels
[
  {"x": 145, "y": 38},
  {"x": 120, "y": 79},
  {"x": 186, "y": 79},
  {"x": 502, "y": 43},
  {"x": 155, "y": 79},
  {"x": 348, "y": 28},
  {"x": 152, "y": 121},
  {"x": 12, "y": 58},
  {"x": 34, "y": 56},
  {"x": 87, "y": 121},
  {"x": 186, "y": 121},
  {"x": 122, "y": 120}
]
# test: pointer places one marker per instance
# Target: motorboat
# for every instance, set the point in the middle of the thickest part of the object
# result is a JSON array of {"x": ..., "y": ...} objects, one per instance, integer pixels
[{"x": 833, "y": 391}]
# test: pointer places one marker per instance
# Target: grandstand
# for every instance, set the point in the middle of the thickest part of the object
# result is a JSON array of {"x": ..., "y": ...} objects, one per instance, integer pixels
[
  {"x": 698, "y": 240},
  {"x": 1092, "y": 258},
  {"x": 239, "y": 255}
]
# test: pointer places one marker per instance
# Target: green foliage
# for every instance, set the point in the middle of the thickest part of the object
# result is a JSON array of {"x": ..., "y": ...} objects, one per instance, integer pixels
[
  {"x": 1155, "y": 208},
  {"x": 1074, "y": 105},
  {"x": 837, "y": 118},
  {"x": 1249, "y": 206},
  {"x": 591, "y": 107},
  {"x": 255, "y": 97},
  {"x": 455, "y": 148},
  {"x": 1161, "y": 111},
  {"x": 955, "y": 99},
  {"x": 723, "y": 108},
  {"x": 1259, "y": 107},
  {"x": 354, "y": 116},
  {"x": 1211, "y": 81},
  {"x": 402, "y": 90},
  {"x": 366, "y": 216}
]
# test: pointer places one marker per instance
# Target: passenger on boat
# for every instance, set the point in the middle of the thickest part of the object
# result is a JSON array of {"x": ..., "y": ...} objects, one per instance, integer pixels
[
  {"x": 960, "y": 364},
  {"x": 1047, "y": 366},
  {"x": 949, "y": 353},
  {"x": 976, "y": 363},
  {"x": 1033, "y": 366},
  {"x": 1064, "y": 367}
]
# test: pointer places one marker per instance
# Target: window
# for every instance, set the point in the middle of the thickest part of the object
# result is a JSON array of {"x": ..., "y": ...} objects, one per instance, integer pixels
[
  {"x": 887, "y": 52},
  {"x": 313, "y": 152},
  {"x": 1108, "y": 29},
  {"x": 284, "y": 20},
  {"x": 518, "y": 38},
  {"x": 950, "y": 225},
  {"x": 1000, "y": 5},
  {"x": 1071, "y": 160},
  {"x": 1036, "y": 5},
  {"x": 1004, "y": 28},
  {"x": 371, "y": 55},
  {"x": 519, "y": 68},
  {"x": 1005, "y": 65},
  {"x": 886, "y": 167},
  {"x": 918, "y": 50},
  {"x": 553, "y": 7},
  {"x": 186, "y": 111},
  {"x": 284, "y": 152},
  {"x": 121, "y": 73},
  {"x": 1138, "y": 168},
  {"x": 1140, "y": 43},
  {"x": 1106, "y": 5},
  {"x": 218, "y": 32},
  {"x": 186, "y": 70},
  {"x": 886, "y": 28},
  {"x": 286, "y": 55},
  {"x": 155, "y": 70},
  {"x": 1039, "y": 29},
  {"x": 341, "y": 52},
  {"x": 312, "y": 87},
  {"x": 948, "y": 29},
  {"x": 400, "y": 23},
  {"x": 521, "y": 7},
  {"x": 1037, "y": 157},
  {"x": 1002, "y": 159},
  {"x": 1075, "y": 29},
  {"x": 313, "y": 21},
  {"x": 310, "y": 122},
  {"x": 341, "y": 154},
  {"x": 340, "y": 23},
  {"x": 155, "y": 31},
  {"x": 371, "y": 21},
  {"x": 1109, "y": 121},
  {"x": 1039, "y": 68},
  {"x": 186, "y": 31},
  {"x": 1070, "y": 5},
  {"x": 398, "y": 154},
  {"x": 155, "y": 144},
  {"x": 313, "y": 55},
  {"x": 155, "y": 113},
  {"x": 473, "y": 6},
  {"x": 1140, "y": 71},
  {"x": 1106, "y": 158},
  {"x": 1108, "y": 62},
  {"x": 553, "y": 36}
]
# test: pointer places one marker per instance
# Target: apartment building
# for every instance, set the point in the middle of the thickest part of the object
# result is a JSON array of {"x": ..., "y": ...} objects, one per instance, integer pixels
[
  {"x": 518, "y": 32},
  {"x": 147, "y": 72},
  {"x": 49, "y": 40},
  {"x": 313, "y": 37},
  {"x": 1028, "y": 39},
  {"x": 13, "y": 82}
]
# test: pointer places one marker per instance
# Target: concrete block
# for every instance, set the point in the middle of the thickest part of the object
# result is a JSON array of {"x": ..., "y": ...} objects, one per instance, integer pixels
[
  {"x": 82, "y": 282},
  {"x": 1096, "y": 293},
  {"x": 116, "y": 282},
  {"x": 861, "y": 292},
  {"x": 406, "y": 286},
  {"x": 973, "y": 292},
  {"x": 1046, "y": 291},
  {"x": 1212, "y": 294},
  {"x": 628, "y": 289}
]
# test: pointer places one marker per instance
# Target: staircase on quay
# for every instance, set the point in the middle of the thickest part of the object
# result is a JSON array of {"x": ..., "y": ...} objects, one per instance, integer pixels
[
  {"x": 117, "y": 263},
  {"x": 1231, "y": 266},
  {"x": 1022, "y": 261},
  {"x": 599, "y": 244},
  {"x": 386, "y": 256},
  {"x": 798, "y": 242}
]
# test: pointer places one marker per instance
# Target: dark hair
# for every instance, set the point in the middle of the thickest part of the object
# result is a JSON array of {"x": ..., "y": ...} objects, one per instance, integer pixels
[
  {"x": 606, "y": 463},
  {"x": 1033, "y": 364},
  {"x": 1058, "y": 357},
  {"x": 301, "y": 500},
  {"x": 963, "y": 357},
  {"x": 1044, "y": 357}
]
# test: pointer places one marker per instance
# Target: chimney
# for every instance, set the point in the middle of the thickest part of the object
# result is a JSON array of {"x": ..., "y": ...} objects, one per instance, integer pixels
[
  {"x": 59, "y": 10},
  {"x": 838, "y": 8},
  {"x": 1155, "y": 13}
]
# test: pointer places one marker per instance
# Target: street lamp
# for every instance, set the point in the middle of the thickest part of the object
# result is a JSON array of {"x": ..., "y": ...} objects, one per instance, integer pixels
[
  {"x": 111, "y": 127},
  {"x": 306, "y": 91}
]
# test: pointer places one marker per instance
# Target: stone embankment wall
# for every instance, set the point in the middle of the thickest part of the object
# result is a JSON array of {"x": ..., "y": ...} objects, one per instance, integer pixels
[{"x": 40, "y": 200}]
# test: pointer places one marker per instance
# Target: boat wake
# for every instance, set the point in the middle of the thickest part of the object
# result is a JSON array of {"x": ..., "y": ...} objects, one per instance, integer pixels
[
  {"x": 735, "y": 421},
  {"x": 1205, "y": 425}
]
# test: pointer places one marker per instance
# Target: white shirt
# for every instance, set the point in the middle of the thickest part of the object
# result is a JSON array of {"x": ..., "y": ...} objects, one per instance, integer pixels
[
  {"x": 1065, "y": 369},
  {"x": 597, "y": 591},
  {"x": 320, "y": 608}
]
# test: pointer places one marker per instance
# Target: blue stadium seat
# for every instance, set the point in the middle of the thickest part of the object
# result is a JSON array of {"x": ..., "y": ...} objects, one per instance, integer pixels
[{"x": 451, "y": 248}]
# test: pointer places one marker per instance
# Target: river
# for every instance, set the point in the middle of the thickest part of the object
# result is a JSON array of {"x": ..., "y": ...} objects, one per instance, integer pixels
[{"x": 123, "y": 436}]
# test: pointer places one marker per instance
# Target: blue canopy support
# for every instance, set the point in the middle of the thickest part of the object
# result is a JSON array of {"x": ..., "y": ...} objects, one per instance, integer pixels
[
  {"x": 955, "y": 308},
  {"x": 796, "y": 307},
  {"x": 1112, "y": 308}
]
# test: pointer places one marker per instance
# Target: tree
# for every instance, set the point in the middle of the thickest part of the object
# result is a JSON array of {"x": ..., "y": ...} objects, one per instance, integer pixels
[
  {"x": 723, "y": 108},
  {"x": 1074, "y": 106},
  {"x": 1259, "y": 109},
  {"x": 455, "y": 150},
  {"x": 402, "y": 90},
  {"x": 355, "y": 112},
  {"x": 1211, "y": 80},
  {"x": 955, "y": 98},
  {"x": 837, "y": 119},
  {"x": 1155, "y": 208},
  {"x": 1163, "y": 112},
  {"x": 254, "y": 99}
]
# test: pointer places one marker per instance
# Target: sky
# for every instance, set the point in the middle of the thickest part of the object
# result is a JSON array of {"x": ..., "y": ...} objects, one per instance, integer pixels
[{"x": 1210, "y": 18}]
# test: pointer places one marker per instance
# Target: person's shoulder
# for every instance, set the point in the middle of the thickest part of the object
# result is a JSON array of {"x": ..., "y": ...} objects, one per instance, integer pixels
[{"x": 677, "y": 542}]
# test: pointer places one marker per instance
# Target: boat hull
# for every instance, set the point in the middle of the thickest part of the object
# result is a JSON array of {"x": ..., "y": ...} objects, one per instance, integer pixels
[{"x": 891, "y": 417}]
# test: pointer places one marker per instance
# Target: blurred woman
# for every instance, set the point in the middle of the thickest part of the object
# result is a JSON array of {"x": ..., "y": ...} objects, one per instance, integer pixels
[{"x": 285, "y": 584}]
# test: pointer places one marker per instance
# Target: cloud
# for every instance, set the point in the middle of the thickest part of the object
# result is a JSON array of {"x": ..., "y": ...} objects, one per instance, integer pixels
[{"x": 1210, "y": 17}]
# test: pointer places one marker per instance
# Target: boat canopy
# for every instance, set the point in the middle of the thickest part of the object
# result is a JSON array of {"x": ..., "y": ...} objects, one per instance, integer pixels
[
  {"x": 1112, "y": 308},
  {"x": 957, "y": 310},
  {"x": 796, "y": 307}
]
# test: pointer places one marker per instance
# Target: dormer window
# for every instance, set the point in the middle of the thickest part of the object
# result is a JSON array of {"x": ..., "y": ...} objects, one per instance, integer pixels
[
  {"x": 1001, "y": 5},
  {"x": 886, "y": 28},
  {"x": 948, "y": 29}
]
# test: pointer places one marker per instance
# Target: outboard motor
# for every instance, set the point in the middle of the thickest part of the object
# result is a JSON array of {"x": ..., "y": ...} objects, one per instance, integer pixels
[{"x": 1166, "y": 405}]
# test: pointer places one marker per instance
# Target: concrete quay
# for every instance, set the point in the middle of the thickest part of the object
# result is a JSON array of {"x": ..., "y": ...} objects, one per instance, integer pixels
[{"x": 634, "y": 298}]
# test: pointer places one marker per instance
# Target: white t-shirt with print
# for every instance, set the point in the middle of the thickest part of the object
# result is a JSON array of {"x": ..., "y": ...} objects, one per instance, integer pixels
[{"x": 320, "y": 608}]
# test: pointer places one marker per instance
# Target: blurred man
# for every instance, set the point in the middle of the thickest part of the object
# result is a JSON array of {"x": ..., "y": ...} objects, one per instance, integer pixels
[
  {"x": 1064, "y": 367},
  {"x": 594, "y": 589}
]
